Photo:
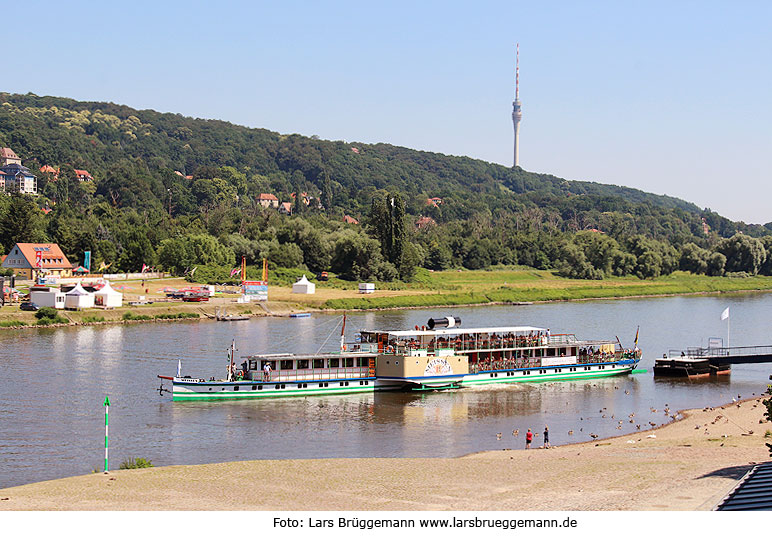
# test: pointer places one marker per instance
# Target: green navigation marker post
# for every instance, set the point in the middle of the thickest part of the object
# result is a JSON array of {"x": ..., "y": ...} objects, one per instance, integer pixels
[{"x": 107, "y": 420}]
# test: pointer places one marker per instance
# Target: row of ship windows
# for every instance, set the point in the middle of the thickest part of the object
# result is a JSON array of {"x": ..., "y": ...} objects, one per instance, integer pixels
[
  {"x": 300, "y": 385},
  {"x": 543, "y": 371}
]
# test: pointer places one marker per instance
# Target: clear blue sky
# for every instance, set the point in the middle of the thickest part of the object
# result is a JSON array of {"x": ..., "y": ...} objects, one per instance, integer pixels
[{"x": 668, "y": 97}]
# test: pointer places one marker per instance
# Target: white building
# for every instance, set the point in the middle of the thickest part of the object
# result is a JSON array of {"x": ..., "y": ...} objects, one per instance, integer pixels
[
  {"x": 108, "y": 297},
  {"x": 47, "y": 297},
  {"x": 78, "y": 298},
  {"x": 366, "y": 288},
  {"x": 304, "y": 286}
]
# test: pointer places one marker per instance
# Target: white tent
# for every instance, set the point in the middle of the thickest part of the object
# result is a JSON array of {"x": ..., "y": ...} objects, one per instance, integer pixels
[
  {"x": 108, "y": 297},
  {"x": 78, "y": 298},
  {"x": 304, "y": 286}
]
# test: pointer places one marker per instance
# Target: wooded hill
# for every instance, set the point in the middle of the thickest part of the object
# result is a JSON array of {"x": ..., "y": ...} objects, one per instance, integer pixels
[{"x": 488, "y": 214}]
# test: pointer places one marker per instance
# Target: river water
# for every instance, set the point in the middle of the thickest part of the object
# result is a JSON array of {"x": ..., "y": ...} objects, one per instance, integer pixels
[{"x": 53, "y": 383}]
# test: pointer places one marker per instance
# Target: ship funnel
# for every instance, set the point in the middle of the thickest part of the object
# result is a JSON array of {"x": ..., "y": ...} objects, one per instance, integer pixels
[{"x": 445, "y": 322}]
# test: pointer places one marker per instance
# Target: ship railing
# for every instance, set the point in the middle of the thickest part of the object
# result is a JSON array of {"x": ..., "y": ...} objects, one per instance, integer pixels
[
  {"x": 463, "y": 345},
  {"x": 563, "y": 338},
  {"x": 503, "y": 364},
  {"x": 519, "y": 363},
  {"x": 606, "y": 357},
  {"x": 722, "y": 351},
  {"x": 336, "y": 373}
]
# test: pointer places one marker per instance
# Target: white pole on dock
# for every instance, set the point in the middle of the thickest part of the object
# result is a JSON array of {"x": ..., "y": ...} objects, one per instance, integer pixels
[{"x": 107, "y": 421}]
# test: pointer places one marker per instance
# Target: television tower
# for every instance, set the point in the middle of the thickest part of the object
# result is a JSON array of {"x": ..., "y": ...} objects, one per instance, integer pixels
[{"x": 517, "y": 113}]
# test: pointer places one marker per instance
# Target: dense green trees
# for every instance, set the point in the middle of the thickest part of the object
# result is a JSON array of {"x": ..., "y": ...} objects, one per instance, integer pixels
[
  {"x": 180, "y": 254},
  {"x": 179, "y": 192},
  {"x": 20, "y": 221},
  {"x": 743, "y": 253}
]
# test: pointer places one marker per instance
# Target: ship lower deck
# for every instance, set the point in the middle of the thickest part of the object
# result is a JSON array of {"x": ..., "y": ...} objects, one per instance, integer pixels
[{"x": 187, "y": 389}]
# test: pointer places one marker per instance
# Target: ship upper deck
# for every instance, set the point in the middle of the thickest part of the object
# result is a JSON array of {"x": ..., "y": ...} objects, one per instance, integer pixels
[{"x": 455, "y": 332}]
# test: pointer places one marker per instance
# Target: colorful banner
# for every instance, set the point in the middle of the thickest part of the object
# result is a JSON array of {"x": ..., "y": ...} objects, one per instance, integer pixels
[
  {"x": 87, "y": 260},
  {"x": 256, "y": 290}
]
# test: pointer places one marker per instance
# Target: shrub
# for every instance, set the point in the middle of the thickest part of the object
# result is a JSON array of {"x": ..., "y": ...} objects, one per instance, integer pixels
[
  {"x": 93, "y": 319},
  {"x": 50, "y": 321},
  {"x": 135, "y": 463},
  {"x": 175, "y": 316},
  {"x": 11, "y": 323},
  {"x": 46, "y": 312},
  {"x": 48, "y": 315},
  {"x": 131, "y": 316}
]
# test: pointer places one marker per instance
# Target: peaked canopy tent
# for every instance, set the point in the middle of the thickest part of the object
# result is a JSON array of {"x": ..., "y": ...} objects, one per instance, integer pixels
[
  {"x": 107, "y": 296},
  {"x": 303, "y": 286},
  {"x": 78, "y": 298}
]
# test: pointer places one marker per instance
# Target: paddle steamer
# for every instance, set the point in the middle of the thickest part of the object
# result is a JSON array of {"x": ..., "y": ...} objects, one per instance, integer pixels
[{"x": 441, "y": 357}]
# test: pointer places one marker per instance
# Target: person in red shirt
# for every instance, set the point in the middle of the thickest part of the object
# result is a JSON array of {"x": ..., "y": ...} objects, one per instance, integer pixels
[{"x": 528, "y": 439}]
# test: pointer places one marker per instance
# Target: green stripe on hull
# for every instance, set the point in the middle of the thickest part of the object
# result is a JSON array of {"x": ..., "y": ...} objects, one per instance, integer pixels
[
  {"x": 220, "y": 395},
  {"x": 548, "y": 378}
]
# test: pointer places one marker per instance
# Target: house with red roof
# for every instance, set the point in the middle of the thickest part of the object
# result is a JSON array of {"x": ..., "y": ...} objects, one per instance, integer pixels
[
  {"x": 268, "y": 200},
  {"x": 425, "y": 221},
  {"x": 434, "y": 201},
  {"x": 306, "y": 198},
  {"x": 83, "y": 175},
  {"x": 349, "y": 219},
  {"x": 50, "y": 169},
  {"x": 285, "y": 208},
  {"x": 32, "y": 260}
]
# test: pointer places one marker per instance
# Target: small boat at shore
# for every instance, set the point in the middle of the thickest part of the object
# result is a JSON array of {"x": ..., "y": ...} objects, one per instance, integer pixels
[{"x": 445, "y": 357}]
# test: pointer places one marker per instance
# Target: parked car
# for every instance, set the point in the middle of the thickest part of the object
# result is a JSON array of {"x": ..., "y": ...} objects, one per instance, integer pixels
[{"x": 28, "y": 306}]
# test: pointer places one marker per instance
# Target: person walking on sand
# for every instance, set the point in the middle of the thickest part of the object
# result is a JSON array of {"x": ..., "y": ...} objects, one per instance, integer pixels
[
  {"x": 528, "y": 439},
  {"x": 546, "y": 437}
]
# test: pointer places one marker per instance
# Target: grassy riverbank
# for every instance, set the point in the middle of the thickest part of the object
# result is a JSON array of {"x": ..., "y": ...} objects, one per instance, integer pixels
[
  {"x": 450, "y": 288},
  {"x": 507, "y": 286}
]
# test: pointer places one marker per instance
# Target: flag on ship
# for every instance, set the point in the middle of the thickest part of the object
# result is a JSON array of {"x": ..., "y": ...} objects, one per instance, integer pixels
[
  {"x": 636, "y": 336},
  {"x": 144, "y": 267},
  {"x": 235, "y": 271},
  {"x": 725, "y": 314}
]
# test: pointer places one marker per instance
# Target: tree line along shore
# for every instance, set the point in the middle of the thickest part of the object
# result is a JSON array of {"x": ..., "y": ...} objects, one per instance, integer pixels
[{"x": 180, "y": 194}]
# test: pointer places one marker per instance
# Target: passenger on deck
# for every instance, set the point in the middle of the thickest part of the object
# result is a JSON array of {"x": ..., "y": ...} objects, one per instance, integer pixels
[{"x": 266, "y": 372}]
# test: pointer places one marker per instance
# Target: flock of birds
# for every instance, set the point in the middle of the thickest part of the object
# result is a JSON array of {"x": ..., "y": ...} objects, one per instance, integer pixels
[{"x": 631, "y": 419}]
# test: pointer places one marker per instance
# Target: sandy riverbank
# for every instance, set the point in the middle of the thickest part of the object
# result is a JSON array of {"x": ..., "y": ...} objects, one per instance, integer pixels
[{"x": 682, "y": 468}]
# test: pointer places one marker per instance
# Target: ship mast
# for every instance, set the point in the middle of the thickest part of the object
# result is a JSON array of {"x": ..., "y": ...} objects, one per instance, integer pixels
[
  {"x": 231, "y": 351},
  {"x": 342, "y": 334}
]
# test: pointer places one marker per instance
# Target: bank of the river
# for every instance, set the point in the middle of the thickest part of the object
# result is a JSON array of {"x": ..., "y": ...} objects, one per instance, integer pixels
[
  {"x": 687, "y": 465},
  {"x": 441, "y": 289},
  {"x": 13, "y": 318},
  {"x": 501, "y": 287}
]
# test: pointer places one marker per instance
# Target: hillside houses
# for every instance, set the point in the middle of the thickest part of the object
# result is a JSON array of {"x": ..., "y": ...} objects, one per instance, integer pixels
[
  {"x": 268, "y": 200},
  {"x": 7, "y": 156},
  {"x": 13, "y": 176},
  {"x": 17, "y": 178}
]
